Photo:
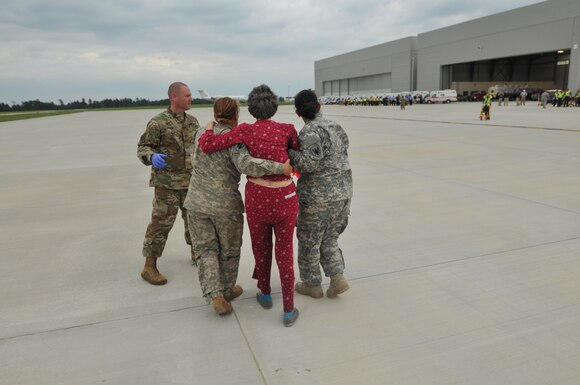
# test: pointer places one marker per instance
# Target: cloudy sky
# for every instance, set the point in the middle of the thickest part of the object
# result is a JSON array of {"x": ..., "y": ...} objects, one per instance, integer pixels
[{"x": 71, "y": 49}]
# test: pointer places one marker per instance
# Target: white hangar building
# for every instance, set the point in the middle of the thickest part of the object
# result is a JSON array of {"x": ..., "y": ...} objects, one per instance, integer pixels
[{"x": 532, "y": 46}]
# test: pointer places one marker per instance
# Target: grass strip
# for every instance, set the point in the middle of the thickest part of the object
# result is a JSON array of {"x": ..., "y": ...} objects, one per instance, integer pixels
[{"x": 7, "y": 117}]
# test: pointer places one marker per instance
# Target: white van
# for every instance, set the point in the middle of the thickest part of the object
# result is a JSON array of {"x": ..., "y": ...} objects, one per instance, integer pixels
[{"x": 441, "y": 96}]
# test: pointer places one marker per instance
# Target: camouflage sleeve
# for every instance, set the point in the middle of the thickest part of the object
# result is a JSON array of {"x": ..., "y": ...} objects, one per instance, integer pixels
[
  {"x": 247, "y": 164},
  {"x": 149, "y": 142},
  {"x": 311, "y": 153},
  {"x": 210, "y": 142}
]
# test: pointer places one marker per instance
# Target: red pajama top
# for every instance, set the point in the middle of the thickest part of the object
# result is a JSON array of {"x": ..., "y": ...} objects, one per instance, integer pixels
[{"x": 265, "y": 139}]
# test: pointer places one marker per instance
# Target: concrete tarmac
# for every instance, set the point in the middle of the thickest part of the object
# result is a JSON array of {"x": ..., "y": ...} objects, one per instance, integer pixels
[{"x": 461, "y": 253}]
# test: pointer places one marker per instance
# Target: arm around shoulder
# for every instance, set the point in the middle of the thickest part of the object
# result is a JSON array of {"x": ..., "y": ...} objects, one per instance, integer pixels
[
  {"x": 210, "y": 142},
  {"x": 247, "y": 164},
  {"x": 310, "y": 155}
]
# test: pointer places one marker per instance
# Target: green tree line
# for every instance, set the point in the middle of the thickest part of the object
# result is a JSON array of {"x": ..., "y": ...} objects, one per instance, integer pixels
[{"x": 37, "y": 105}]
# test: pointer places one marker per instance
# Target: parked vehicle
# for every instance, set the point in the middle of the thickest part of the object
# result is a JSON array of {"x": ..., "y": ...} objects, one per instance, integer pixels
[
  {"x": 476, "y": 96},
  {"x": 441, "y": 96}
]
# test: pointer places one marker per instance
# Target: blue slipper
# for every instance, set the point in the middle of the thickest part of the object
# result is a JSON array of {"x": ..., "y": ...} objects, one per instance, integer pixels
[
  {"x": 291, "y": 317},
  {"x": 264, "y": 299}
]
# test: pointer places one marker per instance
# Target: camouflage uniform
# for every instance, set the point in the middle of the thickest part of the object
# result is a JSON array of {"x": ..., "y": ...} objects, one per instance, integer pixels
[
  {"x": 214, "y": 206},
  {"x": 324, "y": 194},
  {"x": 170, "y": 134}
]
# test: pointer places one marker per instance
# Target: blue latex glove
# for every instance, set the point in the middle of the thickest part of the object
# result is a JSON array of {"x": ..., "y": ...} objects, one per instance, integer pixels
[{"x": 158, "y": 161}]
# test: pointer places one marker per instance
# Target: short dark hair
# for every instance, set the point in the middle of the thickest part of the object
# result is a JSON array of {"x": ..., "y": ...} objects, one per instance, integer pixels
[
  {"x": 306, "y": 104},
  {"x": 175, "y": 88},
  {"x": 262, "y": 102}
]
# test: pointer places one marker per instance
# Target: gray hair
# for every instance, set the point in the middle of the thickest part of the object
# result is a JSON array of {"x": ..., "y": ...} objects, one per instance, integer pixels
[{"x": 262, "y": 102}]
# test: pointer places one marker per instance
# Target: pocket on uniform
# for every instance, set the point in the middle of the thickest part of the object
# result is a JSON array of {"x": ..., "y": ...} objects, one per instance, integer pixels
[{"x": 174, "y": 162}]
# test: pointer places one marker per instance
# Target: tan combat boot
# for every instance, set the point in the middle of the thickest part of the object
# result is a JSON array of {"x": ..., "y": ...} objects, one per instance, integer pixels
[
  {"x": 338, "y": 285},
  {"x": 233, "y": 293},
  {"x": 304, "y": 289},
  {"x": 151, "y": 274},
  {"x": 221, "y": 306}
]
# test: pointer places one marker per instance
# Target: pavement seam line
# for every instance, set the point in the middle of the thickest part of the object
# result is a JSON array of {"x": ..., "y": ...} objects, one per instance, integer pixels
[
  {"x": 250, "y": 348},
  {"x": 452, "y": 261},
  {"x": 483, "y": 189},
  {"x": 415, "y": 268},
  {"x": 456, "y": 123},
  {"x": 88, "y": 324}
]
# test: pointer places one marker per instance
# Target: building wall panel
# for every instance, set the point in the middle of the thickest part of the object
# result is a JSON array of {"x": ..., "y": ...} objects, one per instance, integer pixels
[{"x": 417, "y": 62}]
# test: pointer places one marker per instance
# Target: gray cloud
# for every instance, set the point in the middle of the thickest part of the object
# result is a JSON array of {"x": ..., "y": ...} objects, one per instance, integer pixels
[{"x": 69, "y": 50}]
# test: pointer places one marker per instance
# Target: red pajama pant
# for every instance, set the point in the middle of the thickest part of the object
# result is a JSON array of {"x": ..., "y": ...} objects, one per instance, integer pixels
[{"x": 273, "y": 211}]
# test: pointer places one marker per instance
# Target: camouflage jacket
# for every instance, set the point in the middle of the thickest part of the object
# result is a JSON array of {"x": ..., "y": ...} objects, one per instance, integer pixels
[
  {"x": 170, "y": 134},
  {"x": 215, "y": 179},
  {"x": 322, "y": 160}
]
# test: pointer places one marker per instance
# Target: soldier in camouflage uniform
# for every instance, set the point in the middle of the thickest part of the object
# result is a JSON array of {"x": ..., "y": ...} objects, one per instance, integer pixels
[
  {"x": 324, "y": 194},
  {"x": 214, "y": 206},
  {"x": 166, "y": 145}
]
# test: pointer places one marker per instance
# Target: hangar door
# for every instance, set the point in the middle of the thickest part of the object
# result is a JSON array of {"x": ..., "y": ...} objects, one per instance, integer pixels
[
  {"x": 546, "y": 70},
  {"x": 373, "y": 84}
]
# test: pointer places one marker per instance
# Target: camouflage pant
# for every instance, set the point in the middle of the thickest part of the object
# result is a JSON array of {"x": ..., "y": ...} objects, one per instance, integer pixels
[
  {"x": 166, "y": 204},
  {"x": 319, "y": 227},
  {"x": 217, "y": 245}
]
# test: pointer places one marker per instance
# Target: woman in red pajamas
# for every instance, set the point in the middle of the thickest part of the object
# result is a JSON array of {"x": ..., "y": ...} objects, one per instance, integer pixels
[{"x": 271, "y": 201}]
